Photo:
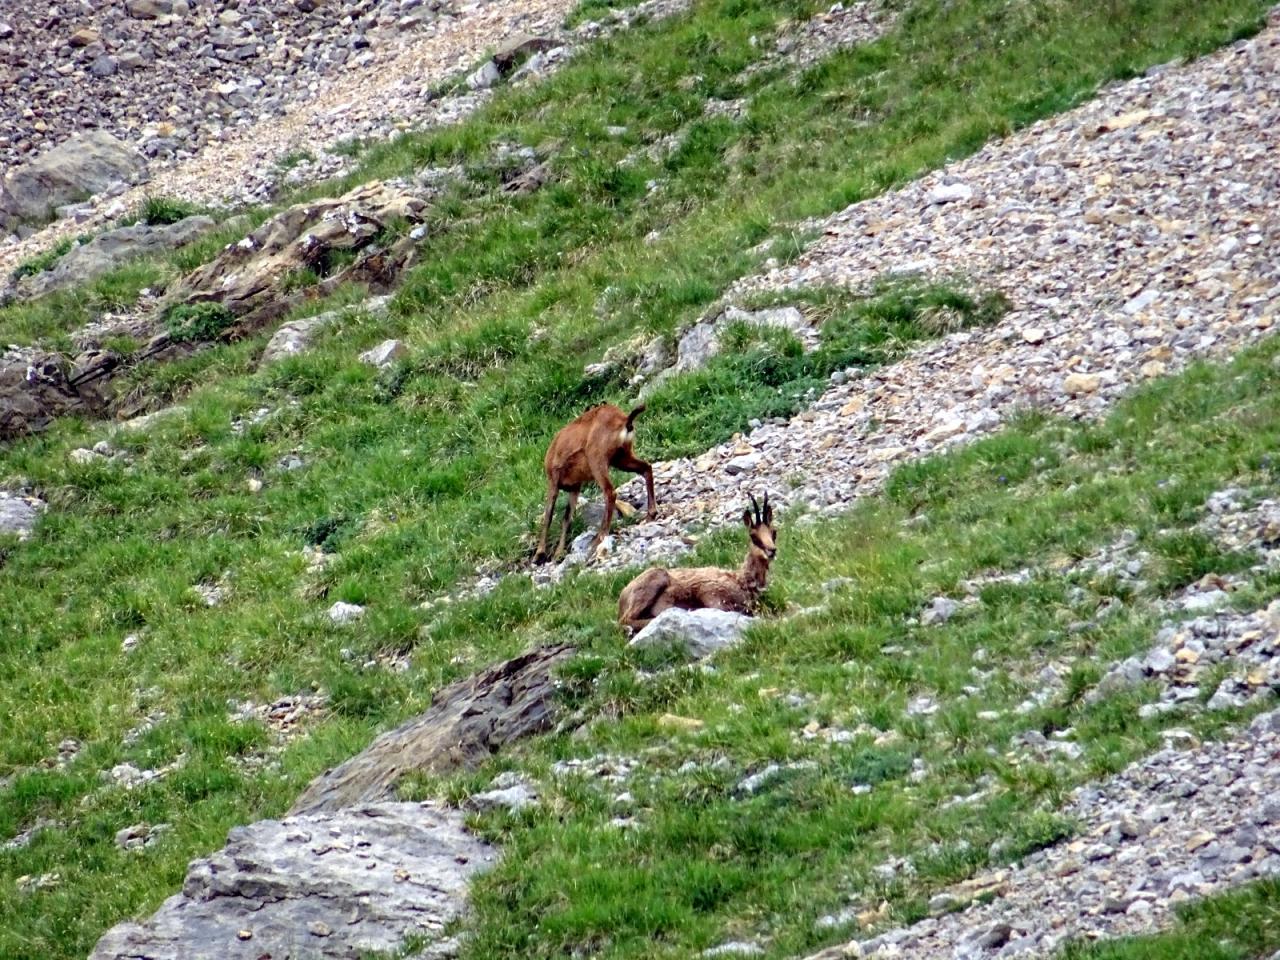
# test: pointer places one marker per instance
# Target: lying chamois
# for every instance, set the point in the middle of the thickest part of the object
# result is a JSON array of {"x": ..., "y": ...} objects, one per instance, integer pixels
[
  {"x": 583, "y": 452},
  {"x": 693, "y": 588}
]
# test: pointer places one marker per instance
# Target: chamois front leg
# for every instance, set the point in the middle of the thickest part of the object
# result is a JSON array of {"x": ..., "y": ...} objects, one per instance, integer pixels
[
  {"x": 540, "y": 555},
  {"x": 571, "y": 501},
  {"x": 626, "y": 460}
]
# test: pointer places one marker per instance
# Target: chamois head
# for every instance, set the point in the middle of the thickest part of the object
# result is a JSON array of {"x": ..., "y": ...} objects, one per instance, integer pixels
[{"x": 759, "y": 524}]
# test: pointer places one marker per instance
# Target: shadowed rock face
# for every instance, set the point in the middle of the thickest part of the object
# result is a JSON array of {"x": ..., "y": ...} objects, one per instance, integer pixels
[
  {"x": 342, "y": 875},
  {"x": 332, "y": 886},
  {"x": 38, "y": 387},
  {"x": 468, "y": 721}
]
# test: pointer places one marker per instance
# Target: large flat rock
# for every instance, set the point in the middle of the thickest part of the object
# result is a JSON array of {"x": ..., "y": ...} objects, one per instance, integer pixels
[{"x": 336, "y": 885}]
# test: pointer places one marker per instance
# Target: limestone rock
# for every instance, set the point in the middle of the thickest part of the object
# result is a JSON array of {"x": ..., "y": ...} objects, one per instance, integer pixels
[
  {"x": 1079, "y": 383},
  {"x": 342, "y": 613},
  {"x": 515, "y": 797},
  {"x": 247, "y": 277},
  {"x": 85, "y": 164},
  {"x": 147, "y": 9},
  {"x": 700, "y": 633},
  {"x": 485, "y": 76},
  {"x": 18, "y": 514},
  {"x": 385, "y": 353},
  {"x": 358, "y": 881}
]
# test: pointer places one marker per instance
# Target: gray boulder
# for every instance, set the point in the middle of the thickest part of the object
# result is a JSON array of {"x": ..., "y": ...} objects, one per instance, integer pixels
[
  {"x": 338, "y": 885},
  {"x": 295, "y": 337},
  {"x": 700, "y": 633},
  {"x": 77, "y": 168},
  {"x": 108, "y": 250}
]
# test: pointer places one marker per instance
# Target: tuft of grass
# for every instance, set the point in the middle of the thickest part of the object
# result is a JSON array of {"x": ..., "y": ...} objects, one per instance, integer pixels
[
  {"x": 293, "y": 159},
  {"x": 43, "y": 261},
  {"x": 161, "y": 210}
]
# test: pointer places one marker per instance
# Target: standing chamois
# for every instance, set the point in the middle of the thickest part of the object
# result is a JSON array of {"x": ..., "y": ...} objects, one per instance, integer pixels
[
  {"x": 693, "y": 588},
  {"x": 583, "y": 452}
]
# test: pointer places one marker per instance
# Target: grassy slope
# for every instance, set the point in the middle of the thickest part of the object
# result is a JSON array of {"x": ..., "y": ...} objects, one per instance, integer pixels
[
  {"x": 707, "y": 864},
  {"x": 418, "y": 475}
]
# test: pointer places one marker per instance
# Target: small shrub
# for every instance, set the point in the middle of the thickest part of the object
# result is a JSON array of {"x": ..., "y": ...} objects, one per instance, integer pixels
[
  {"x": 328, "y": 533},
  {"x": 158, "y": 211},
  {"x": 191, "y": 322}
]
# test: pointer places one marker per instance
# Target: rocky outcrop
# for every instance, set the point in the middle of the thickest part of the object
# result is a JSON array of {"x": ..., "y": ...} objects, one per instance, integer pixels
[
  {"x": 249, "y": 278},
  {"x": 467, "y": 722},
  {"x": 84, "y": 165},
  {"x": 344, "y": 874},
  {"x": 37, "y": 387},
  {"x": 339, "y": 885},
  {"x": 108, "y": 250}
]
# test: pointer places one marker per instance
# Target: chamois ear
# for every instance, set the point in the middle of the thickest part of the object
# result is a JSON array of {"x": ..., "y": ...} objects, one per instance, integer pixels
[{"x": 746, "y": 519}]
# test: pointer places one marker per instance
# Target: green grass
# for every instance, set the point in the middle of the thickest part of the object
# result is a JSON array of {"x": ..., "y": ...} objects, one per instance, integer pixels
[
  {"x": 420, "y": 473},
  {"x": 161, "y": 210},
  {"x": 43, "y": 261}
]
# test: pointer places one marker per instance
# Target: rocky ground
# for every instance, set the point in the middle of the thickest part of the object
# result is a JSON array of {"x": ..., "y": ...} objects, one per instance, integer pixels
[
  {"x": 1181, "y": 823},
  {"x": 1131, "y": 236},
  {"x": 380, "y": 92},
  {"x": 422, "y": 63},
  {"x": 173, "y": 75}
]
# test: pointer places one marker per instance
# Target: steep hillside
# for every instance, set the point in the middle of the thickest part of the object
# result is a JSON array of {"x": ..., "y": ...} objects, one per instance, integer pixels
[{"x": 991, "y": 330}]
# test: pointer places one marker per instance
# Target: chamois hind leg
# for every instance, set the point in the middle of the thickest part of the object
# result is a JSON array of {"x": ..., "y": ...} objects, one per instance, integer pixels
[
  {"x": 600, "y": 473},
  {"x": 553, "y": 488},
  {"x": 639, "y": 597},
  {"x": 628, "y": 461},
  {"x": 571, "y": 501}
]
